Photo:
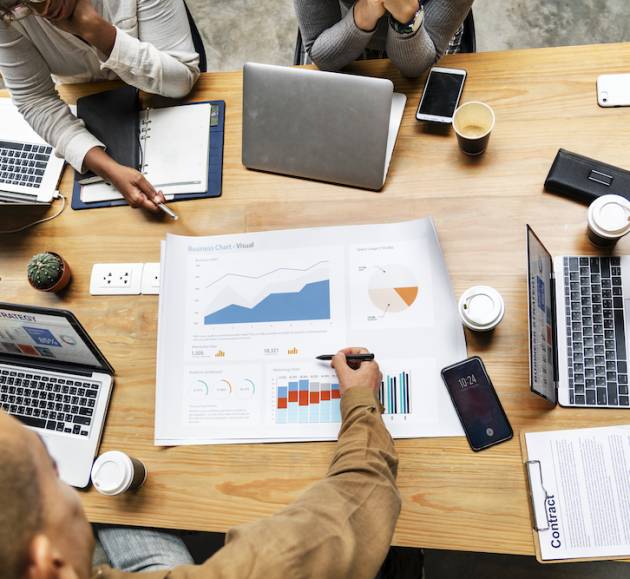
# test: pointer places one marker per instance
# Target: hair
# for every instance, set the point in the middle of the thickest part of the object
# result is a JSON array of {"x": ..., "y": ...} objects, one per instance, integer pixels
[
  {"x": 20, "y": 504},
  {"x": 7, "y": 4}
]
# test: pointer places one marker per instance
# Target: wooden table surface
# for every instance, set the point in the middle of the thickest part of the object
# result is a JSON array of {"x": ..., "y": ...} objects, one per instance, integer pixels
[{"x": 453, "y": 498}]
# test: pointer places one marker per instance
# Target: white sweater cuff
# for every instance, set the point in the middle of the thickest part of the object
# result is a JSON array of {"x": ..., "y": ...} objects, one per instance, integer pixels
[
  {"x": 77, "y": 148},
  {"x": 122, "y": 52}
]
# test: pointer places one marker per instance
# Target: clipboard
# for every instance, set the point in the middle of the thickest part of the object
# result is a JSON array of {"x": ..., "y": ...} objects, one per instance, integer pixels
[
  {"x": 215, "y": 166},
  {"x": 532, "y": 470}
]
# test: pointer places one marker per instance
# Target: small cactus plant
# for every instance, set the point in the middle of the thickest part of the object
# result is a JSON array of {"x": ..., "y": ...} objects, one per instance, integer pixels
[{"x": 48, "y": 272}]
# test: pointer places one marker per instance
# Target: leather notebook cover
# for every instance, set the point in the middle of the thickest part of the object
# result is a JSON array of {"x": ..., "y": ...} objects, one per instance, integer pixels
[
  {"x": 586, "y": 179},
  {"x": 112, "y": 117}
]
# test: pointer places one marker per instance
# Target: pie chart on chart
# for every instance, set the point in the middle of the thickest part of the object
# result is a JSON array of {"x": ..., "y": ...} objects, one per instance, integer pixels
[{"x": 393, "y": 288}]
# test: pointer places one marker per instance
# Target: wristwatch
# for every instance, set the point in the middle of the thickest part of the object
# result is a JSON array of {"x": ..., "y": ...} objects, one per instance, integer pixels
[{"x": 410, "y": 27}]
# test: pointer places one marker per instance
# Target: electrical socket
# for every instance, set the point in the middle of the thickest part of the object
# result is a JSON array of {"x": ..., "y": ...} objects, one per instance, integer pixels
[
  {"x": 150, "y": 279},
  {"x": 116, "y": 279}
]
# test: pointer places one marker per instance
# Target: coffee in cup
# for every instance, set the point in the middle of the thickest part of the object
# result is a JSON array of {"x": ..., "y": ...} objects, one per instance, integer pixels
[
  {"x": 115, "y": 472},
  {"x": 473, "y": 122},
  {"x": 608, "y": 220},
  {"x": 481, "y": 308}
]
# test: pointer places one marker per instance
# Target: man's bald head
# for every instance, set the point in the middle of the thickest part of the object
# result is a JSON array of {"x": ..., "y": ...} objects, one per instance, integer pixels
[{"x": 20, "y": 496}]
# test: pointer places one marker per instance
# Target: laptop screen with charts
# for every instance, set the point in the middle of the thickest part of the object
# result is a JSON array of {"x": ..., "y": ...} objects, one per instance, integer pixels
[
  {"x": 55, "y": 380},
  {"x": 543, "y": 373},
  {"x": 333, "y": 127}
]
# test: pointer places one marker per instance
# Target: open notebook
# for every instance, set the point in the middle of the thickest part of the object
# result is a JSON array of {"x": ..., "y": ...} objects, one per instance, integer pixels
[{"x": 174, "y": 145}]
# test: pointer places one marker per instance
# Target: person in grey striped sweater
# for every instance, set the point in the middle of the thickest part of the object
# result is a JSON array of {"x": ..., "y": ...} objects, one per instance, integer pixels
[{"x": 413, "y": 34}]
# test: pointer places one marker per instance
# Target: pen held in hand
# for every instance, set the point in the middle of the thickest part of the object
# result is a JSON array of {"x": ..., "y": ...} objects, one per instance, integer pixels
[
  {"x": 168, "y": 211},
  {"x": 349, "y": 357}
]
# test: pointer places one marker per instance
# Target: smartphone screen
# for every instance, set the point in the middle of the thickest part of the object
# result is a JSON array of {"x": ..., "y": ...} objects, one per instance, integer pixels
[
  {"x": 477, "y": 404},
  {"x": 441, "y": 94}
]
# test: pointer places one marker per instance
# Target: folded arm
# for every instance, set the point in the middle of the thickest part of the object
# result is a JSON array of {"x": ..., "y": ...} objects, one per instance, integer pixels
[
  {"x": 413, "y": 55},
  {"x": 331, "y": 41}
]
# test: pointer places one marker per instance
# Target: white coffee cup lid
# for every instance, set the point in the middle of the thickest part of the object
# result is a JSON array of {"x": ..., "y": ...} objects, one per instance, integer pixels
[
  {"x": 112, "y": 473},
  {"x": 608, "y": 215},
  {"x": 481, "y": 307}
]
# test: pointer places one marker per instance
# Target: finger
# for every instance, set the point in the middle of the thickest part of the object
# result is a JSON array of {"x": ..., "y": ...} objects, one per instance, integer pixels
[
  {"x": 340, "y": 365},
  {"x": 134, "y": 198},
  {"x": 149, "y": 205},
  {"x": 149, "y": 190}
]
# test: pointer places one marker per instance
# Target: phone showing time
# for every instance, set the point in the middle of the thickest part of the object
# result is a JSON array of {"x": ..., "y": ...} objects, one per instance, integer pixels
[{"x": 477, "y": 404}]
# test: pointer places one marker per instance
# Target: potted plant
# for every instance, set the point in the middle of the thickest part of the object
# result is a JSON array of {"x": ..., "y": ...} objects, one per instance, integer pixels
[{"x": 48, "y": 272}]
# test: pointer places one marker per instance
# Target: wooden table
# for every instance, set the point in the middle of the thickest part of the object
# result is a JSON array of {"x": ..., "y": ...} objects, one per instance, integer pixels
[{"x": 453, "y": 498}]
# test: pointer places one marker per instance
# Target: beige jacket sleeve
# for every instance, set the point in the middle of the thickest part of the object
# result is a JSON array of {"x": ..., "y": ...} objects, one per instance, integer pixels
[{"x": 340, "y": 527}]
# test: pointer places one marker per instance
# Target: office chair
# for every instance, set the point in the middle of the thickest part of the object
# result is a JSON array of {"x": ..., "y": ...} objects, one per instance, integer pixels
[
  {"x": 197, "y": 41},
  {"x": 463, "y": 41}
]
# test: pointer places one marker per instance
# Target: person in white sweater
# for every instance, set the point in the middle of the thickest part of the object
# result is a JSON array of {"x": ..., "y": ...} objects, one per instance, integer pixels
[{"x": 145, "y": 43}]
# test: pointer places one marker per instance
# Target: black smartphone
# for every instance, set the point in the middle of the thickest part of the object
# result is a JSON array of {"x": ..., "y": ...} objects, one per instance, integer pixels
[
  {"x": 441, "y": 95},
  {"x": 477, "y": 404}
]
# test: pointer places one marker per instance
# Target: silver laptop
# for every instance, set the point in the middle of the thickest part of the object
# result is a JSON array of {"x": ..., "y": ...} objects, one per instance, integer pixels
[
  {"x": 29, "y": 170},
  {"x": 319, "y": 125},
  {"x": 578, "y": 331},
  {"x": 55, "y": 380}
]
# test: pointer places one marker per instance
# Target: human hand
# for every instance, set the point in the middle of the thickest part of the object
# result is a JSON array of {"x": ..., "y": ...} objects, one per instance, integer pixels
[
  {"x": 367, "y": 13},
  {"x": 356, "y": 374},
  {"x": 135, "y": 188},
  {"x": 402, "y": 10},
  {"x": 70, "y": 15}
]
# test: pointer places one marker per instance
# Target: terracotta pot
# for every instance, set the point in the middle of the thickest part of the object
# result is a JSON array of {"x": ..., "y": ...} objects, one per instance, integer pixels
[{"x": 63, "y": 281}]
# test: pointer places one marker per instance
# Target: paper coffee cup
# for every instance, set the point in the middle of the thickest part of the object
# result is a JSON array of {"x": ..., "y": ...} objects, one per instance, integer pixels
[
  {"x": 481, "y": 308},
  {"x": 608, "y": 220},
  {"x": 473, "y": 122},
  {"x": 115, "y": 472}
]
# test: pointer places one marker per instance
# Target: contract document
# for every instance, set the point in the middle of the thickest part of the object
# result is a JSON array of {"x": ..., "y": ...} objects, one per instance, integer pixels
[
  {"x": 242, "y": 318},
  {"x": 580, "y": 491}
]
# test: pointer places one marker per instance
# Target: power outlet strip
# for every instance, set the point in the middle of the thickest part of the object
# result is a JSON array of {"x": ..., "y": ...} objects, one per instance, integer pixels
[{"x": 130, "y": 279}]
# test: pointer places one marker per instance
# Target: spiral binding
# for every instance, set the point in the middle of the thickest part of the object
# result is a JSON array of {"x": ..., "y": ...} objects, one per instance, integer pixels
[{"x": 145, "y": 130}]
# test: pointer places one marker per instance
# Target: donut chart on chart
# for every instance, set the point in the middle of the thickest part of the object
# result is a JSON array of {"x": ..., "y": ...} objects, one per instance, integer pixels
[
  {"x": 203, "y": 390},
  {"x": 393, "y": 288}
]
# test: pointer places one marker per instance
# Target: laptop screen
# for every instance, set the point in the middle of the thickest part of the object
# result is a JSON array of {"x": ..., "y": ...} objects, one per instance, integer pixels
[
  {"x": 46, "y": 336},
  {"x": 541, "y": 334}
]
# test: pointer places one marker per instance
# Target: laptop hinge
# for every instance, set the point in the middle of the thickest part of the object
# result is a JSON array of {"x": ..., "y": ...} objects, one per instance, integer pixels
[{"x": 554, "y": 332}]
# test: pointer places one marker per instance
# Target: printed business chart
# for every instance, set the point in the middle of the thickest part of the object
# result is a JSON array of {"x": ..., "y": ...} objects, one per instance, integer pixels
[{"x": 242, "y": 318}]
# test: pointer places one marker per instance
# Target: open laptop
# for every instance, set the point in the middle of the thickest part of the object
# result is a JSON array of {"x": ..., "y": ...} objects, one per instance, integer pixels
[
  {"x": 319, "y": 125},
  {"x": 29, "y": 170},
  {"x": 578, "y": 332},
  {"x": 55, "y": 380}
]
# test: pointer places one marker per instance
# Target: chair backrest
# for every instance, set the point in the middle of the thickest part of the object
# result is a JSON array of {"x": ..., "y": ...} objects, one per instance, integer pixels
[
  {"x": 197, "y": 41},
  {"x": 465, "y": 41}
]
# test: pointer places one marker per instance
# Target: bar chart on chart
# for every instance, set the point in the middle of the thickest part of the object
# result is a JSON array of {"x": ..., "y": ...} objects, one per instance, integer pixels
[{"x": 316, "y": 399}]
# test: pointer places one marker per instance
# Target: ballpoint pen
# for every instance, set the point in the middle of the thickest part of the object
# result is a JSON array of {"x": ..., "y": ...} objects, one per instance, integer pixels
[
  {"x": 349, "y": 357},
  {"x": 168, "y": 211}
]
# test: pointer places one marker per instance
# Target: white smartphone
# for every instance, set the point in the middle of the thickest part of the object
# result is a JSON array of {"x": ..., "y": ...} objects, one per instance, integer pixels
[
  {"x": 613, "y": 90},
  {"x": 441, "y": 94}
]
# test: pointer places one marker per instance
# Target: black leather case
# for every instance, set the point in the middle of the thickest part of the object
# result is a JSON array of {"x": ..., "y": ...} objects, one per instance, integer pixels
[
  {"x": 112, "y": 117},
  {"x": 585, "y": 179}
]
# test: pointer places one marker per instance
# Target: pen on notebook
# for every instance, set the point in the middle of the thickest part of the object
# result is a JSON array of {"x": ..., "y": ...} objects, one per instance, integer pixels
[
  {"x": 349, "y": 357},
  {"x": 168, "y": 211}
]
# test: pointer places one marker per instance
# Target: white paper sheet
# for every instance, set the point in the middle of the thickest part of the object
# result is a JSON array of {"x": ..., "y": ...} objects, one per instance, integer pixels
[
  {"x": 242, "y": 318},
  {"x": 580, "y": 487}
]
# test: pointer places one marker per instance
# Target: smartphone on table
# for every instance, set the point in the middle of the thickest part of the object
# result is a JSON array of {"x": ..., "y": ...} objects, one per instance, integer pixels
[
  {"x": 477, "y": 404},
  {"x": 613, "y": 90},
  {"x": 441, "y": 95}
]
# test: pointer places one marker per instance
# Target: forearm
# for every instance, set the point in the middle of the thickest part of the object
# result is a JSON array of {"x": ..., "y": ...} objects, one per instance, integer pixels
[
  {"x": 341, "y": 526},
  {"x": 332, "y": 42},
  {"x": 413, "y": 55}
]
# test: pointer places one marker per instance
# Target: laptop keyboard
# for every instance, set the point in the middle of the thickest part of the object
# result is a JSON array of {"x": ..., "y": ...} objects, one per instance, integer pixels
[
  {"x": 22, "y": 164},
  {"x": 596, "y": 335},
  {"x": 49, "y": 402}
]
